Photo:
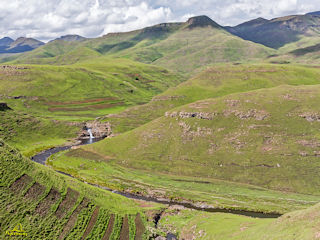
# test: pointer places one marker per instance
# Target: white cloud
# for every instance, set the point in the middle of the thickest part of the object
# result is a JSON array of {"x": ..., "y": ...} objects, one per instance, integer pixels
[{"x": 47, "y": 19}]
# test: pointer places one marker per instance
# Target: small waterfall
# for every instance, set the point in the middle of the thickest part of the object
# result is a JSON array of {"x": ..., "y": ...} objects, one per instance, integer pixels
[{"x": 90, "y": 132}]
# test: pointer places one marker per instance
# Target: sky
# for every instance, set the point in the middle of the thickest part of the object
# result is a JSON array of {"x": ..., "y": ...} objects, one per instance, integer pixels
[{"x": 49, "y": 19}]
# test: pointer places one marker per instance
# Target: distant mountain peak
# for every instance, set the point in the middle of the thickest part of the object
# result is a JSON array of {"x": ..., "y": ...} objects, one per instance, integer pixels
[
  {"x": 22, "y": 44},
  {"x": 314, "y": 13},
  {"x": 202, "y": 21},
  {"x": 6, "y": 41},
  {"x": 71, "y": 38}
]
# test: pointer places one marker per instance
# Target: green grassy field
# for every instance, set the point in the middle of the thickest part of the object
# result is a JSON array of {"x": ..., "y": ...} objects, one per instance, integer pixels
[{"x": 188, "y": 224}]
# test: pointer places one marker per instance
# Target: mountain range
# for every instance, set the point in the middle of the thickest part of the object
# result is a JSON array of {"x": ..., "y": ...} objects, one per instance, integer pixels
[{"x": 274, "y": 33}]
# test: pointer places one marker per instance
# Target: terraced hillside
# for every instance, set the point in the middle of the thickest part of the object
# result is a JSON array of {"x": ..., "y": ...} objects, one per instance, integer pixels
[
  {"x": 38, "y": 203},
  {"x": 82, "y": 91}
]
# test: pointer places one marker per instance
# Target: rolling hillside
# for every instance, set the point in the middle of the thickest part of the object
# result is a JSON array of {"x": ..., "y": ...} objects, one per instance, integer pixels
[
  {"x": 238, "y": 151},
  {"x": 216, "y": 81},
  {"x": 235, "y": 138},
  {"x": 83, "y": 91}
]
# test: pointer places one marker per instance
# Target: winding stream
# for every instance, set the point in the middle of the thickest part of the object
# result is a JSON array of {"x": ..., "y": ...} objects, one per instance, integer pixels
[{"x": 43, "y": 156}]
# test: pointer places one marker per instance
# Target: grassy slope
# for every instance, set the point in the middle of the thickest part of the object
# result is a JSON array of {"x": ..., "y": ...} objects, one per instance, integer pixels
[
  {"x": 300, "y": 225},
  {"x": 15, "y": 208},
  {"x": 216, "y": 81},
  {"x": 102, "y": 86},
  {"x": 187, "y": 49},
  {"x": 236, "y": 145},
  {"x": 32, "y": 134}
]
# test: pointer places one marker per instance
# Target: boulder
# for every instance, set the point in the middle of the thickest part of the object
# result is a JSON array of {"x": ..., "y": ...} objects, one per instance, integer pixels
[{"x": 4, "y": 106}]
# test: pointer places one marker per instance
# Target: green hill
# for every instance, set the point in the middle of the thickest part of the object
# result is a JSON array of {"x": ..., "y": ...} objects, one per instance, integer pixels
[
  {"x": 228, "y": 151},
  {"x": 216, "y": 81},
  {"x": 233, "y": 138},
  {"x": 38, "y": 203},
  {"x": 31, "y": 134},
  {"x": 82, "y": 91}
]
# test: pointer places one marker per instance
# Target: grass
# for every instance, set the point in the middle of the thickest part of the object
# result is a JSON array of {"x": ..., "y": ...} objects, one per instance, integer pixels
[
  {"x": 121, "y": 83},
  {"x": 216, "y": 81},
  {"x": 296, "y": 225},
  {"x": 31, "y": 134}
]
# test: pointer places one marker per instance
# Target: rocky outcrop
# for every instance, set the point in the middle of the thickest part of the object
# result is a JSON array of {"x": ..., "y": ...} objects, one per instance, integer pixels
[
  {"x": 199, "y": 115},
  {"x": 4, "y": 106},
  {"x": 311, "y": 117},
  {"x": 202, "y": 21},
  {"x": 98, "y": 130},
  {"x": 251, "y": 113}
]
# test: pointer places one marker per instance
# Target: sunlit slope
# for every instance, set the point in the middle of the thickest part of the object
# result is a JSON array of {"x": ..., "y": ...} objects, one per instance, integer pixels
[
  {"x": 52, "y": 206},
  {"x": 214, "y": 82},
  {"x": 31, "y": 134},
  {"x": 182, "y": 47},
  {"x": 85, "y": 90},
  {"x": 57, "y": 52},
  {"x": 295, "y": 225},
  {"x": 267, "y": 138}
]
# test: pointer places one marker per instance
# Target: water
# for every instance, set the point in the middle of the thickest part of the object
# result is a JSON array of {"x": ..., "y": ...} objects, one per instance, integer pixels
[
  {"x": 90, "y": 132},
  {"x": 43, "y": 156}
]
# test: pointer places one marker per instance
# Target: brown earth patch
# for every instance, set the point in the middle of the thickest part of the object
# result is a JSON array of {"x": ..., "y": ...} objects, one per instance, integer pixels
[
  {"x": 92, "y": 222},
  {"x": 140, "y": 229},
  {"x": 67, "y": 203},
  {"x": 124, "y": 234},
  {"x": 81, "y": 101},
  {"x": 90, "y": 107},
  {"x": 108, "y": 232},
  {"x": 73, "y": 218},
  {"x": 35, "y": 191},
  {"x": 21, "y": 183},
  {"x": 45, "y": 205}
]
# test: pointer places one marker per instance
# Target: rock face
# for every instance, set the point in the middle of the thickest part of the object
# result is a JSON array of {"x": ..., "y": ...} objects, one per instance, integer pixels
[
  {"x": 311, "y": 117},
  {"x": 98, "y": 130},
  {"x": 4, "y": 106},
  {"x": 202, "y": 21}
]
